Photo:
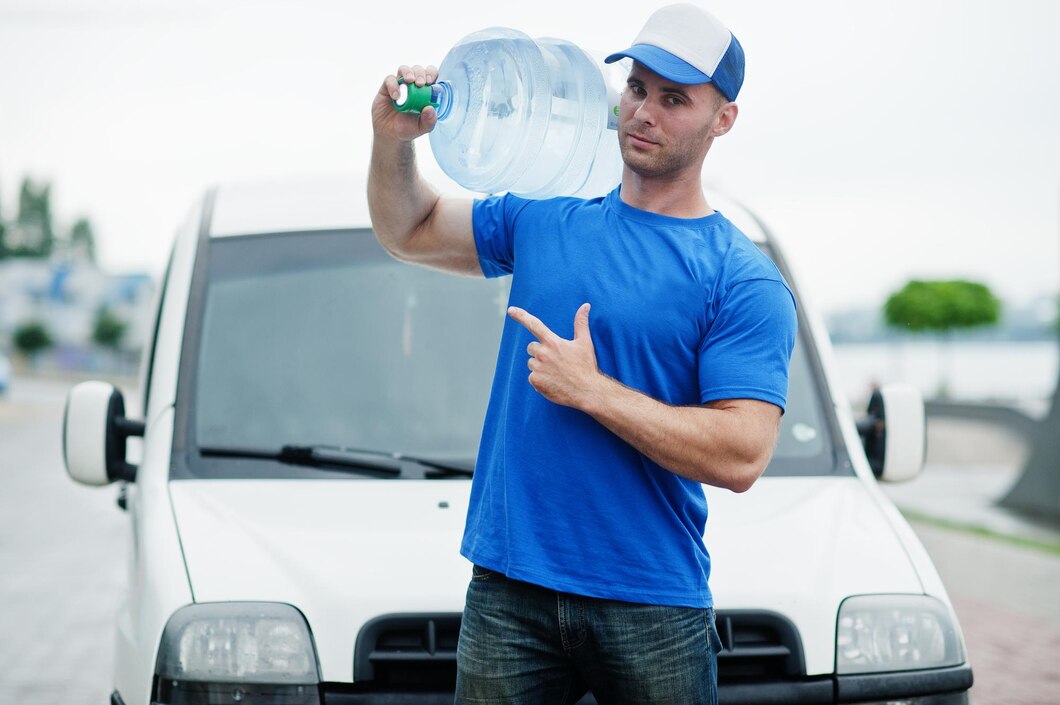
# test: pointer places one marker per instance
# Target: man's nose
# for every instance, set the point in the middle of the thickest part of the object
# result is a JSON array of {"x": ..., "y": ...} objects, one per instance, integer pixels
[{"x": 644, "y": 113}]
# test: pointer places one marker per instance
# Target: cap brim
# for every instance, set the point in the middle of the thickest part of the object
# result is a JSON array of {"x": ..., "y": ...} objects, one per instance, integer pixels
[{"x": 663, "y": 63}]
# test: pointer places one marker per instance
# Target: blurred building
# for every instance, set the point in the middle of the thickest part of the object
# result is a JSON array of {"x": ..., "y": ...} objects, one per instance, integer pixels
[{"x": 65, "y": 295}]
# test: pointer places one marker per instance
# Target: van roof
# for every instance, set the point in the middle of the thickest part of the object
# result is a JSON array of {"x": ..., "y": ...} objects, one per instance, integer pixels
[{"x": 338, "y": 202}]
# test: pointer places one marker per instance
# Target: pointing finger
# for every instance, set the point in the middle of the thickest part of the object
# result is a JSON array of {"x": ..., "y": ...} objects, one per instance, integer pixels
[{"x": 531, "y": 322}]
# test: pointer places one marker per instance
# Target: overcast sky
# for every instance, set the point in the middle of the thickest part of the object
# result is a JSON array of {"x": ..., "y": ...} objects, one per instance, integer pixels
[{"x": 881, "y": 141}]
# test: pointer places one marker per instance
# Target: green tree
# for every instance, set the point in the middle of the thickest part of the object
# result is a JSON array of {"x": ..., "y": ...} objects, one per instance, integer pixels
[
  {"x": 108, "y": 329},
  {"x": 83, "y": 239},
  {"x": 34, "y": 222},
  {"x": 31, "y": 338},
  {"x": 941, "y": 306}
]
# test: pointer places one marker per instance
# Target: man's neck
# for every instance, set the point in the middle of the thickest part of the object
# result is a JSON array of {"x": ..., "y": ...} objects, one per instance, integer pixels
[{"x": 679, "y": 197}]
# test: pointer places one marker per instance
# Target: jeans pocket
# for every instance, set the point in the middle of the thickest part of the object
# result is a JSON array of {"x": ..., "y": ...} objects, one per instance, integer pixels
[
  {"x": 712, "y": 627},
  {"x": 480, "y": 574}
]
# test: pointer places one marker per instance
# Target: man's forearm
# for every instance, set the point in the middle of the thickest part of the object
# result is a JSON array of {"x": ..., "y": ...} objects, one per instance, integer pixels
[
  {"x": 399, "y": 201},
  {"x": 715, "y": 445}
]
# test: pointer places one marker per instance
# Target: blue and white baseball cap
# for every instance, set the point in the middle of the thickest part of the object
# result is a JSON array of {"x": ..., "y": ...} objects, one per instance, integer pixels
[{"x": 686, "y": 44}]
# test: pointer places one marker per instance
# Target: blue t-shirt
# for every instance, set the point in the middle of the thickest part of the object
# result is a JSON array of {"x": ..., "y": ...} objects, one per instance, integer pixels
[{"x": 686, "y": 311}]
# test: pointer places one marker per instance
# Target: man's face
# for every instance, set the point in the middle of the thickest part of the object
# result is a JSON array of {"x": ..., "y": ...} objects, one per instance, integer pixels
[{"x": 665, "y": 128}]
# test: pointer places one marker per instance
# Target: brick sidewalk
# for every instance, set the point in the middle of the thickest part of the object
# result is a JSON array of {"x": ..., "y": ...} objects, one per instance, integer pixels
[
  {"x": 1013, "y": 656},
  {"x": 1008, "y": 605}
]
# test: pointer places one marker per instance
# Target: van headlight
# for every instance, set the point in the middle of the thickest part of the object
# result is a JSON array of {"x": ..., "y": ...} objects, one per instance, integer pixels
[
  {"x": 895, "y": 633},
  {"x": 231, "y": 652}
]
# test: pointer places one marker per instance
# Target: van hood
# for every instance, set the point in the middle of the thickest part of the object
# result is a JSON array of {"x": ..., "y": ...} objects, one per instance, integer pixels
[{"x": 346, "y": 551}]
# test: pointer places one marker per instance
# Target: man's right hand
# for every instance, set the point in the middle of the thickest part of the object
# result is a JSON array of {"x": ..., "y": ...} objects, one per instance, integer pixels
[{"x": 388, "y": 122}]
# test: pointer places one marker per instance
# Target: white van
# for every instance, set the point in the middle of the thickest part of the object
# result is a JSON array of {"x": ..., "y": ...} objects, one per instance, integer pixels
[{"x": 296, "y": 472}]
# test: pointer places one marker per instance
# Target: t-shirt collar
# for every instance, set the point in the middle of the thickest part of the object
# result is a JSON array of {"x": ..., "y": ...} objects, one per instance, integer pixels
[{"x": 614, "y": 202}]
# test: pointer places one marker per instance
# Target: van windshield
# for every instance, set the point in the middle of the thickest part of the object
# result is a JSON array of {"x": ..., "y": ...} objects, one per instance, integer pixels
[{"x": 321, "y": 339}]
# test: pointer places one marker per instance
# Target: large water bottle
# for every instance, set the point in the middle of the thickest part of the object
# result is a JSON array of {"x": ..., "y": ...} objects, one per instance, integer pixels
[{"x": 536, "y": 118}]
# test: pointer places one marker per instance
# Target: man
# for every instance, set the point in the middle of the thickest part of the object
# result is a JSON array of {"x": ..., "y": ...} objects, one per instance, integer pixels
[{"x": 587, "y": 514}]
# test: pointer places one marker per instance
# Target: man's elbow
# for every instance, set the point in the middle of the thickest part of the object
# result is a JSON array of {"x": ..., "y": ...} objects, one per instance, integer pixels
[
  {"x": 405, "y": 238},
  {"x": 745, "y": 474},
  {"x": 742, "y": 482},
  {"x": 395, "y": 251},
  {"x": 399, "y": 245}
]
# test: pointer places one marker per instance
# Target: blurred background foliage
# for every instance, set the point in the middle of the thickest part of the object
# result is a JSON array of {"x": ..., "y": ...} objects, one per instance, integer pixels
[{"x": 941, "y": 306}]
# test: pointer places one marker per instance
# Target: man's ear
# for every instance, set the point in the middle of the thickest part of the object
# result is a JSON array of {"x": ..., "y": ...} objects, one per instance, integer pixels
[{"x": 724, "y": 119}]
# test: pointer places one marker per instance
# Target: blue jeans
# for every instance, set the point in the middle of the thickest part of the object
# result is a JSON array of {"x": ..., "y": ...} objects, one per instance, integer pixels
[{"x": 521, "y": 644}]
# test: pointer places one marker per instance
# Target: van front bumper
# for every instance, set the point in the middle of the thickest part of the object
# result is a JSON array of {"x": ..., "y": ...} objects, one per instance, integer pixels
[
  {"x": 940, "y": 686},
  {"x": 952, "y": 683},
  {"x": 937, "y": 686}
]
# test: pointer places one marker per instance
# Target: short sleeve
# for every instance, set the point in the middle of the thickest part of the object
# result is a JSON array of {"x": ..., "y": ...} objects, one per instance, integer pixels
[
  {"x": 747, "y": 350},
  {"x": 493, "y": 223}
]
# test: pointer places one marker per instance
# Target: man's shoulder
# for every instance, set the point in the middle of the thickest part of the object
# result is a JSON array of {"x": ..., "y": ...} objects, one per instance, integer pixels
[{"x": 744, "y": 259}]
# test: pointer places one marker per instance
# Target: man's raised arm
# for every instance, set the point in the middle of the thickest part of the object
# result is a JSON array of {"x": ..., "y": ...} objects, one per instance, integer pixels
[{"x": 409, "y": 217}]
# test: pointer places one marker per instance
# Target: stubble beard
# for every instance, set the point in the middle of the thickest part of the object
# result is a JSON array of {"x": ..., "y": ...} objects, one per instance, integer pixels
[{"x": 662, "y": 160}]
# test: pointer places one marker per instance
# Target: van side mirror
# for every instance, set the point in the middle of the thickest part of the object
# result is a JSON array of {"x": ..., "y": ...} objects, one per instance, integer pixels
[
  {"x": 94, "y": 433},
  {"x": 893, "y": 432}
]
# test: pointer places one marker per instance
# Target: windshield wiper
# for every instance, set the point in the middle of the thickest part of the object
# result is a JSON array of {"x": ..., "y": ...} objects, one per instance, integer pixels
[
  {"x": 395, "y": 459},
  {"x": 312, "y": 456},
  {"x": 339, "y": 457}
]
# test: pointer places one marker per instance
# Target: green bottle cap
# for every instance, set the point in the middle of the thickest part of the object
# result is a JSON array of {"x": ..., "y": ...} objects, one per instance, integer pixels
[{"x": 413, "y": 98}]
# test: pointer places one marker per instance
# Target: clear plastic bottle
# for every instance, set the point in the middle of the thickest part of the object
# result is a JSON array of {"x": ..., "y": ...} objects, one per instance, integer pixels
[{"x": 537, "y": 118}]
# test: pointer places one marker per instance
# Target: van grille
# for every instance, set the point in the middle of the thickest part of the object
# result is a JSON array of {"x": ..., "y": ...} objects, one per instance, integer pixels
[
  {"x": 408, "y": 649},
  {"x": 420, "y": 649},
  {"x": 757, "y": 646}
]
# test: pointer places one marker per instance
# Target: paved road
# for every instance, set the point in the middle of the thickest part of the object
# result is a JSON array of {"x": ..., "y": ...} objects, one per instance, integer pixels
[
  {"x": 62, "y": 562},
  {"x": 62, "y": 558}
]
